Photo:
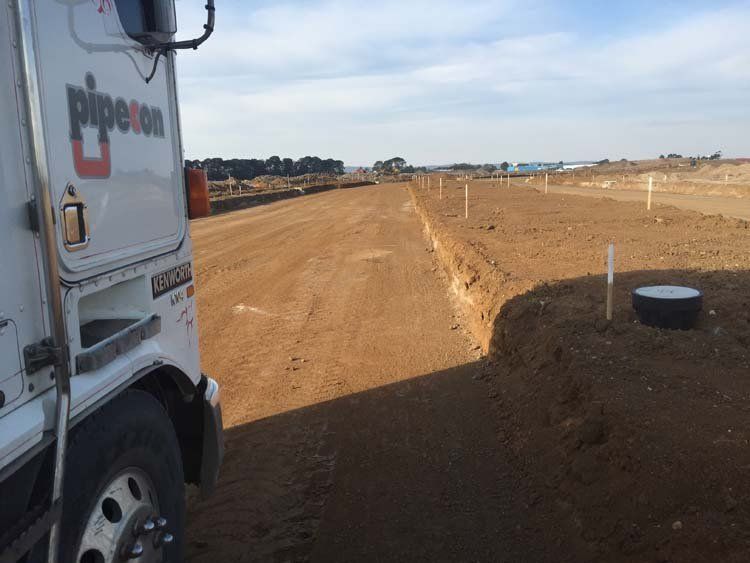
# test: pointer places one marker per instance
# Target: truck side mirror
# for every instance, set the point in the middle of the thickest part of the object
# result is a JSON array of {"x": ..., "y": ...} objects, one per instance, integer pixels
[{"x": 150, "y": 22}]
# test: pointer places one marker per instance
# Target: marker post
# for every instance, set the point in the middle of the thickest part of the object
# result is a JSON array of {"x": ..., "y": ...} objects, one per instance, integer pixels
[{"x": 610, "y": 279}]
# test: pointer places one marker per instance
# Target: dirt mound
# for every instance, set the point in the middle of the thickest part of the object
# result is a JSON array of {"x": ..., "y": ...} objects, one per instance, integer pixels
[
  {"x": 634, "y": 439},
  {"x": 708, "y": 178},
  {"x": 720, "y": 172},
  {"x": 643, "y": 429},
  {"x": 234, "y": 187},
  {"x": 253, "y": 198}
]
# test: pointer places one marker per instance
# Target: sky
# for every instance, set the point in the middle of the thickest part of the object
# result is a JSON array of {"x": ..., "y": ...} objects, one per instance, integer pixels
[{"x": 438, "y": 82}]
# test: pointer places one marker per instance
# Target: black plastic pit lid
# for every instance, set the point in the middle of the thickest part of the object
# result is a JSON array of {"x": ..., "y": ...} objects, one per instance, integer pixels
[{"x": 667, "y": 306}]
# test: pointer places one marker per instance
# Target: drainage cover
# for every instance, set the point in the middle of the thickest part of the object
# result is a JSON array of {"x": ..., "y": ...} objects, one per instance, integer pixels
[{"x": 667, "y": 306}]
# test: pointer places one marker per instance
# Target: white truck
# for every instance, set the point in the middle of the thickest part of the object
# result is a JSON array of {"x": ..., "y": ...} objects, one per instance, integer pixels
[{"x": 104, "y": 412}]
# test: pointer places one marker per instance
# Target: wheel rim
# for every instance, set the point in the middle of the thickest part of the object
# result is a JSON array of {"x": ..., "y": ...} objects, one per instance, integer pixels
[{"x": 124, "y": 523}]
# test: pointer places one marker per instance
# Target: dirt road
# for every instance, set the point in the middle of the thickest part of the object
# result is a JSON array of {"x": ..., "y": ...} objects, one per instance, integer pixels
[
  {"x": 727, "y": 206},
  {"x": 358, "y": 424}
]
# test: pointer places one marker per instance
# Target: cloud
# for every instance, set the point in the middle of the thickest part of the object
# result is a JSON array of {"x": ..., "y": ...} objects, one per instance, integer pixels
[
  {"x": 323, "y": 39},
  {"x": 356, "y": 80}
]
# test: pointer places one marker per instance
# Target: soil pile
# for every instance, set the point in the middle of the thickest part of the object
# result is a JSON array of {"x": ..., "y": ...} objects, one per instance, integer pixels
[
  {"x": 634, "y": 439},
  {"x": 714, "y": 178},
  {"x": 234, "y": 187}
]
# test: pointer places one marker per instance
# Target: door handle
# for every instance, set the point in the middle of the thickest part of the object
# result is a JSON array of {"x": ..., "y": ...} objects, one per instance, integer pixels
[{"x": 75, "y": 220}]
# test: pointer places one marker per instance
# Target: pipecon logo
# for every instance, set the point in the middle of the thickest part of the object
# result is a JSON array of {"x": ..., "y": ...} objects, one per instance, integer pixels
[{"x": 88, "y": 107}]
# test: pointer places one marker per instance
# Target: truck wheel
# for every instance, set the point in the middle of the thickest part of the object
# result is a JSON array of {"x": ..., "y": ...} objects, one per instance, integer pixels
[{"x": 124, "y": 488}]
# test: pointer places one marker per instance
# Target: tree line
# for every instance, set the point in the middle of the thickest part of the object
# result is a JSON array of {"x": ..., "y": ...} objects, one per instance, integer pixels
[
  {"x": 249, "y": 168},
  {"x": 398, "y": 165},
  {"x": 714, "y": 156}
]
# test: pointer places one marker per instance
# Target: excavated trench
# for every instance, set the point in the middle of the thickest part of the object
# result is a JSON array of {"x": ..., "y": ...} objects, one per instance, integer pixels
[{"x": 631, "y": 439}]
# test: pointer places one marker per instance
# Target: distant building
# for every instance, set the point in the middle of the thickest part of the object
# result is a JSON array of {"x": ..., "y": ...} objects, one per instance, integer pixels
[{"x": 534, "y": 166}]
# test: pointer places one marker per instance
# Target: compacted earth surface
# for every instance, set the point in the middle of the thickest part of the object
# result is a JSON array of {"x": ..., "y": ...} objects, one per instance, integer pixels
[
  {"x": 358, "y": 425},
  {"x": 401, "y": 383},
  {"x": 711, "y": 205},
  {"x": 717, "y": 178},
  {"x": 633, "y": 439}
]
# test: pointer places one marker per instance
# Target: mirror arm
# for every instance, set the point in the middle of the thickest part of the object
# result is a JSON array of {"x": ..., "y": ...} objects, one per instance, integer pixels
[
  {"x": 162, "y": 48},
  {"x": 194, "y": 43}
]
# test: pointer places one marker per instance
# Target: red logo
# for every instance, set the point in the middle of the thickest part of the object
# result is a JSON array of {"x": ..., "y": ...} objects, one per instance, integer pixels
[{"x": 103, "y": 6}]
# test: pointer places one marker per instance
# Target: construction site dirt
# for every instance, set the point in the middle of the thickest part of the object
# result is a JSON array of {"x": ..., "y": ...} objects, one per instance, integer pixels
[{"x": 401, "y": 383}]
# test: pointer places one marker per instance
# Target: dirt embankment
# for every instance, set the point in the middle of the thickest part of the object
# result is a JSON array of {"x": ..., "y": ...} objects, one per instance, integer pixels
[
  {"x": 260, "y": 198},
  {"x": 714, "y": 178},
  {"x": 634, "y": 440},
  {"x": 233, "y": 186}
]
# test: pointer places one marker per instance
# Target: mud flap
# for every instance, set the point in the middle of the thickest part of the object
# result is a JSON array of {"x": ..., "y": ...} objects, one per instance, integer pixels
[{"x": 213, "y": 438}]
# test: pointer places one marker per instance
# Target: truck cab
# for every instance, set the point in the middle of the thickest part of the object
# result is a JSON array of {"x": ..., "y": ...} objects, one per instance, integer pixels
[{"x": 104, "y": 411}]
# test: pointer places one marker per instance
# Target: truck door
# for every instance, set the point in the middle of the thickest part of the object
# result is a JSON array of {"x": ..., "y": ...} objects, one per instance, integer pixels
[
  {"x": 22, "y": 313},
  {"x": 116, "y": 157}
]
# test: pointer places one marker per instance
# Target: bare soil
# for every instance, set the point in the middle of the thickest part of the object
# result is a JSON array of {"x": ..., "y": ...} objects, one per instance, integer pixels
[
  {"x": 632, "y": 441},
  {"x": 243, "y": 200},
  {"x": 365, "y": 422},
  {"x": 721, "y": 178},
  {"x": 358, "y": 424},
  {"x": 233, "y": 187},
  {"x": 223, "y": 189},
  {"x": 708, "y": 205}
]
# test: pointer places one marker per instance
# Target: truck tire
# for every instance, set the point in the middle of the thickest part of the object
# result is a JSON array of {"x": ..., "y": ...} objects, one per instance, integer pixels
[{"x": 124, "y": 492}]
